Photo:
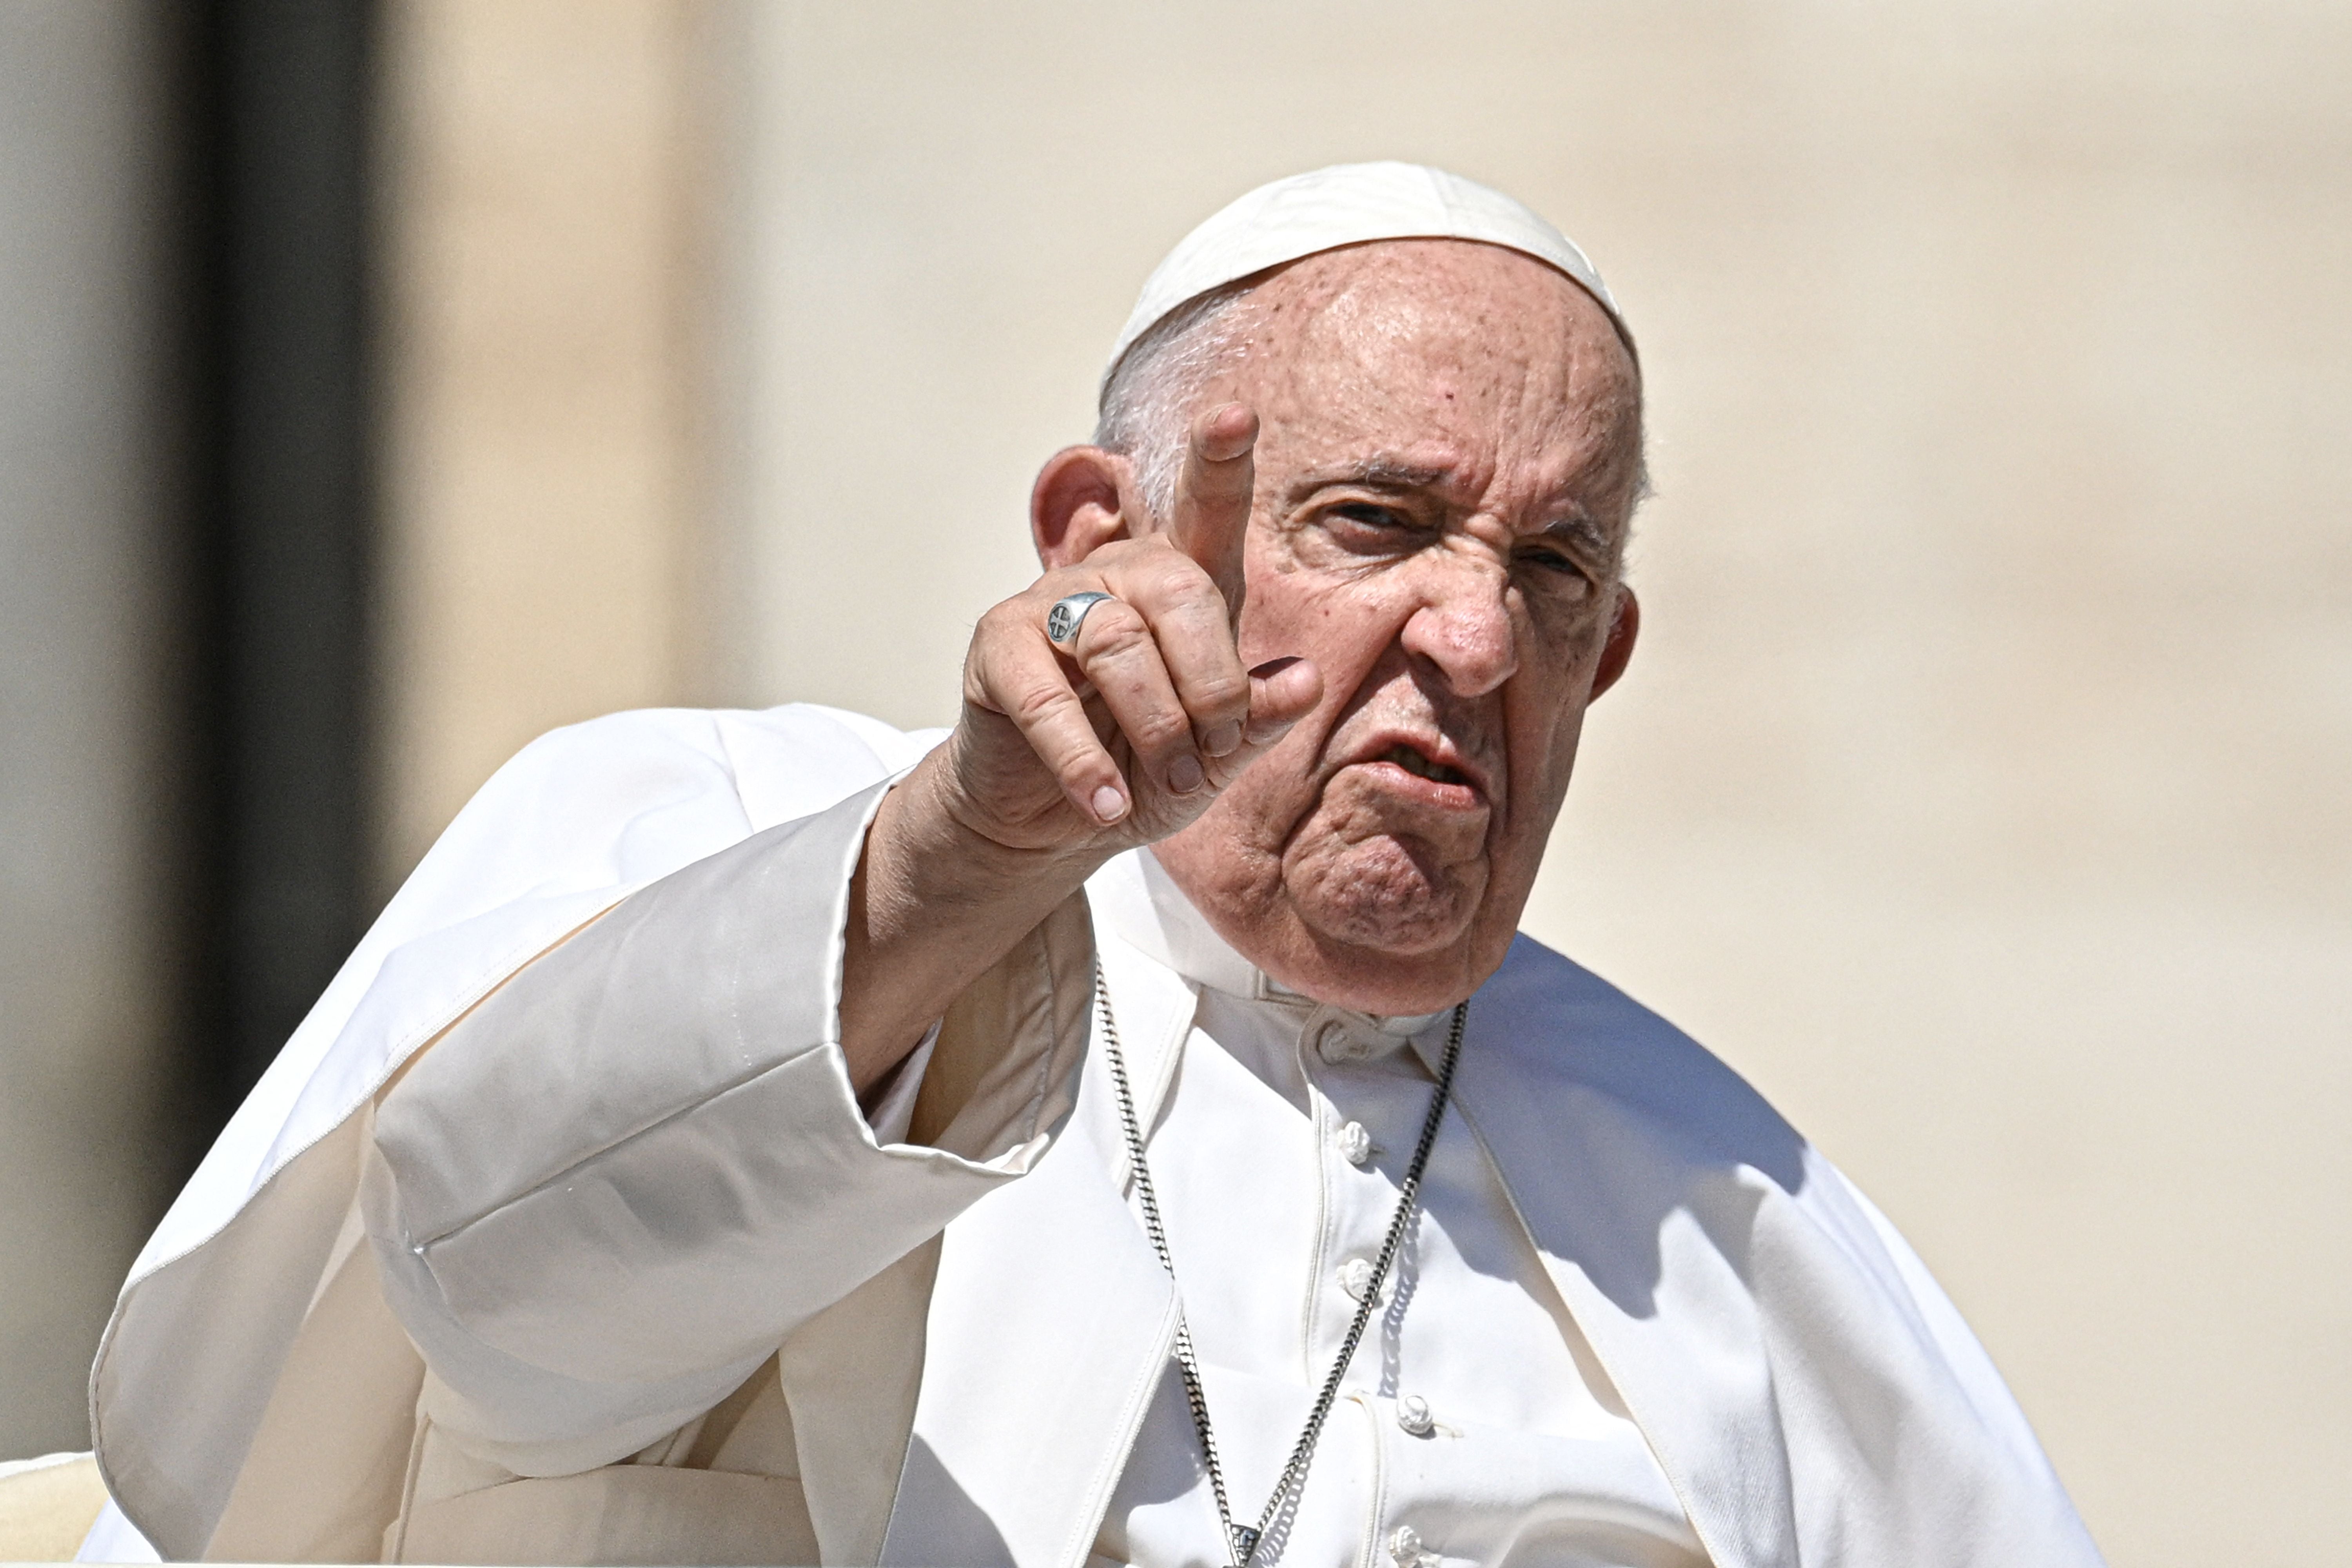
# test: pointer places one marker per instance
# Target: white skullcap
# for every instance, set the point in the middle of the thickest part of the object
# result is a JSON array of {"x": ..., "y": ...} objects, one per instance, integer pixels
[{"x": 1347, "y": 204}]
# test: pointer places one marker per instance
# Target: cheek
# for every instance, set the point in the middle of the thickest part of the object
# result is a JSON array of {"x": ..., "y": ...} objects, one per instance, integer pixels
[
  {"x": 1265, "y": 806},
  {"x": 1545, "y": 722},
  {"x": 1281, "y": 616},
  {"x": 1295, "y": 611}
]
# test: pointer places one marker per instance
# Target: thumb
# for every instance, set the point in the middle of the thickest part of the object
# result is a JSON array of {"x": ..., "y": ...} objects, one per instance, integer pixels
[{"x": 1282, "y": 693}]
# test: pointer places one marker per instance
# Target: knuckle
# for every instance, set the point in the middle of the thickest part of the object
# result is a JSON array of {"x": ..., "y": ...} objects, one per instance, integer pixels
[
  {"x": 1156, "y": 573},
  {"x": 1201, "y": 602},
  {"x": 1178, "y": 576},
  {"x": 1001, "y": 617},
  {"x": 1159, "y": 728},
  {"x": 1220, "y": 692},
  {"x": 1038, "y": 703},
  {"x": 1114, "y": 630}
]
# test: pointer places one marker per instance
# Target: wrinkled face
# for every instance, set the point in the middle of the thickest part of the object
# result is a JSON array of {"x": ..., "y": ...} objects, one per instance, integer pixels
[{"x": 1449, "y": 457}]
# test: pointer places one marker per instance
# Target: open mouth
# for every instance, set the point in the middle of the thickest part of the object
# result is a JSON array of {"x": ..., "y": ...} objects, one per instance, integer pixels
[{"x": 1414, "y": 763}]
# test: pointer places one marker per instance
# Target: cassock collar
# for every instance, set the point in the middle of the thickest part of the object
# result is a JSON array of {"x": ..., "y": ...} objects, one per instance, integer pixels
[{"x": 1142, "y": 905}]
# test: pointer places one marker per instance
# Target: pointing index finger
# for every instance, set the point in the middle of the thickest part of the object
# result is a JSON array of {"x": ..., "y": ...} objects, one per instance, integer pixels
[{"x": 1212, "y": 495}]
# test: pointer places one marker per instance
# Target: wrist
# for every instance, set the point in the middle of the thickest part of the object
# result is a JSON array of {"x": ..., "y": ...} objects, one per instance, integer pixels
[
  {"x": 951, "y": 812},
  {"x": 928, "y": 859},
  {"x": 934, "y": 902}
]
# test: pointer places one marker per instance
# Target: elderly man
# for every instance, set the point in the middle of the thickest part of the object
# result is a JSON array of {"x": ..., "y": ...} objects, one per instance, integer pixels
[{"x": 1126, "y": 1128}]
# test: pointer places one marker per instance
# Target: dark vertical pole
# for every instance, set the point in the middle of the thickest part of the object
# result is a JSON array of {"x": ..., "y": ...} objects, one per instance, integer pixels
[{"x": 280, "y": 169}]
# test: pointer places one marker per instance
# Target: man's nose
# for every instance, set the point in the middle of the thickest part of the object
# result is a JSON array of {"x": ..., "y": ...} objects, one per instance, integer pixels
[{"x": 1463, "y": 626}]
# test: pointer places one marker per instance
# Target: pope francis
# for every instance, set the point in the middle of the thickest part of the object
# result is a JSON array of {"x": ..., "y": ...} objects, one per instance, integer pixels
[{"x": 1124, "y": 1128}]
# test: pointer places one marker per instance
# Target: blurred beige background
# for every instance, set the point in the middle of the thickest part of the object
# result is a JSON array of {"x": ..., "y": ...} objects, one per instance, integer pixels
[{"x": 1979, "y": 787}]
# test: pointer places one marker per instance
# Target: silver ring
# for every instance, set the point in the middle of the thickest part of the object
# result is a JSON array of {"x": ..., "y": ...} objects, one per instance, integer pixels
[{"x": 1068, "y": 614}]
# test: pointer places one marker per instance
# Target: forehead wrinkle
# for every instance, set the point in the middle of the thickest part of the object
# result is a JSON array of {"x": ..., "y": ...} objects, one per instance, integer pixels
[{"x": 1347, "y": 316}]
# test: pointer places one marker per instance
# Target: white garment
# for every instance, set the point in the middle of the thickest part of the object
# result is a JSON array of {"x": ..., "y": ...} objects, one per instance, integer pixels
[
  {"x": 1811, "y": 1393},
  {"x": 1474, "y": 1416}
]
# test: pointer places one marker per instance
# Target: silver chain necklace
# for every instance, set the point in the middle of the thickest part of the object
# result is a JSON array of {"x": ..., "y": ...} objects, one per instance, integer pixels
[{"x": 1242, "y": 1541}]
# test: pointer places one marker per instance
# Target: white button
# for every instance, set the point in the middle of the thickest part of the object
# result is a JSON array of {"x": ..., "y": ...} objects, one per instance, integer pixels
[
  {"x": 1404, "y": 1544},
  {"x": 1412, "y": 1414},
  {"x": 1334, "y": 1042},
  {"x": 1355, "y": 1144},
  {"x": 1356, "y": 1278}
]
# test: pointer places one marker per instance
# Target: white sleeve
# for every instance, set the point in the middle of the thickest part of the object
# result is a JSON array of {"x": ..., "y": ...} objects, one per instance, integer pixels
[{"x": 610, "y": 1191}]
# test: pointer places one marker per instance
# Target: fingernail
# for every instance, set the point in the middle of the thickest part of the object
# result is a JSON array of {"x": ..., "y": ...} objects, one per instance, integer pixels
[
  {"x": 1221, "y": 741},
  {"x": 1184, "y": 773},
  {"x": 1262, "y": 731},
  {"x": 1109, "y": 805},
  {"x": 1274, "y": 666}
]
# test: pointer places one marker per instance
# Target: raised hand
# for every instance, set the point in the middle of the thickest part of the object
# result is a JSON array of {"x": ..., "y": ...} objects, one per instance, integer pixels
[
  {"x": 1129, "y": 732},
  {"x": 1064, "y": 756}
]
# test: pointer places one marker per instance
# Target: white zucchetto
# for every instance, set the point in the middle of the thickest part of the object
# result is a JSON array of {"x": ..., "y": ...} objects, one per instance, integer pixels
[{"x": 1347, "y": 204}]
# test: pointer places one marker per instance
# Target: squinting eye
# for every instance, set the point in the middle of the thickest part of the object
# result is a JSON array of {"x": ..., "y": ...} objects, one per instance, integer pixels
[
  {"x": 1551, "y": 561},
  {"x": 1370, "y": 515}
]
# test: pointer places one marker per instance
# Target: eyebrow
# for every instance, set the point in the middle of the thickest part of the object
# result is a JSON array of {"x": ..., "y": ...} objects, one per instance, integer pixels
[
  {"x": 1392, "y": 473},
  {"x": 1579, "y": 529},
  {"x": 1379, "y": 472}
]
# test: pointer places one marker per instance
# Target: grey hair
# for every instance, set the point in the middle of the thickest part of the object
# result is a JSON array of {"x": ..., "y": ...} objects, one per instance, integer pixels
[{"x": 1148, "y": 394}]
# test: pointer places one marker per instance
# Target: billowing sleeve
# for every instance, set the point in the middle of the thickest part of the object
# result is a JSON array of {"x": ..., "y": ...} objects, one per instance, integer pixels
[{"x": 610, "y": 1191}]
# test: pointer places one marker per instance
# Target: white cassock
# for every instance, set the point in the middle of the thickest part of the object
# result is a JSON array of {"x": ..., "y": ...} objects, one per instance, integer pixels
[{"x": 620, "y": 1270}]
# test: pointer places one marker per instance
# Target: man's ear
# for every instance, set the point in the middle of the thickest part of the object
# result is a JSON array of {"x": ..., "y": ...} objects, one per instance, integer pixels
[
  {"x": 1079, "y": 504},
  {"x": 1618, "y": 652}
]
